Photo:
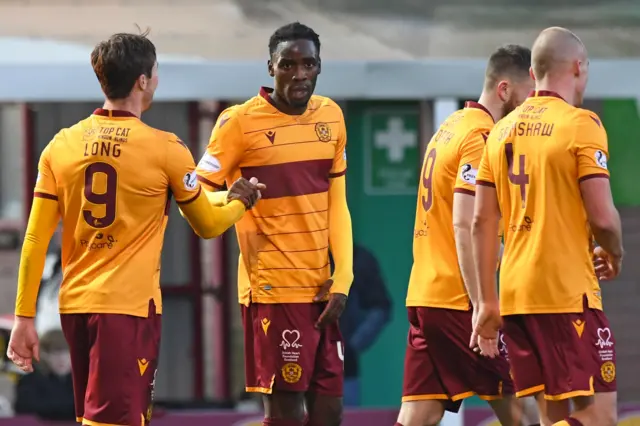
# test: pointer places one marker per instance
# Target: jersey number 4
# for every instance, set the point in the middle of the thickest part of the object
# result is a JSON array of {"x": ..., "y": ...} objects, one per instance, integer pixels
[
  {"x": 106, "y": 200},
  {"x": 522, "y": 178}
]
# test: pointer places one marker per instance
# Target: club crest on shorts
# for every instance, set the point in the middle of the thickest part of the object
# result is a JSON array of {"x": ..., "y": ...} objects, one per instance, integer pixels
[
  {"x": 608, "y": 371},
  {"x": 291, "y": 372},
  {"x": 323, "y": 131}
]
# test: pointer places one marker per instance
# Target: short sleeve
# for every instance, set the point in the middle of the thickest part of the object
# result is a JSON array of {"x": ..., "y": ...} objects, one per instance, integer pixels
[
  {"x": 485, "y": 175},
  {"x": 224, "y": 151},
  {"x": 339, "y": 167},
  {"x": 591, "y": 147},
  {"x": 46, "y": 182},
  {"x": 181, "y": 170},
  {"x": 469, "y": 155}
]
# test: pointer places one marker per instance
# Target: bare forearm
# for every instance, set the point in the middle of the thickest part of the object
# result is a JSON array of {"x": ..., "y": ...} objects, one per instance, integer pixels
[
  {"x": 609, "y": 236},
  {"x": 464, "y": 247},
  {"x": 485, "y": 253}
]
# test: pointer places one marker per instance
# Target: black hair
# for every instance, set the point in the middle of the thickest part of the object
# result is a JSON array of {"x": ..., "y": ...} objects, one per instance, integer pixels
[{"x": 290, "y": 32}]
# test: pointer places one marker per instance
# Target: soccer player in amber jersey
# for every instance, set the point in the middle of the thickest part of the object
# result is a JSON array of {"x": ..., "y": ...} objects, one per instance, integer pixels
[
  {"x": 110, "y": 178},
  {"x": 545, "y": 170},
  {"x": 440, "y": 369},
  {"x": 294, "y": 142}
]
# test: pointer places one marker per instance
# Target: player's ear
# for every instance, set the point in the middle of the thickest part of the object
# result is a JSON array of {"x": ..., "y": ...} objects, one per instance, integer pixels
[
  {"x": 319, "y": 65},
  {"x": 270, "y": 68},
  {"x": 577, "y": 68},
  {"x": 143, "y": 81},
  {"x": 531, "y": 74},
  {"x": 502, "y": 90}
]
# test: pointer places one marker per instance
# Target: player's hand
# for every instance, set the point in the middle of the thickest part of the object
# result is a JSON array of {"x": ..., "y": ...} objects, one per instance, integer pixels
[
  {"x": 247, "y": 191},
  {"x": 23, "y": 345},
  {"x": 334, "y": 308},
  {"x": 606, "y": 266},
  {"x": 474, "y": 321},
  {"x": 485, "y": 333}
]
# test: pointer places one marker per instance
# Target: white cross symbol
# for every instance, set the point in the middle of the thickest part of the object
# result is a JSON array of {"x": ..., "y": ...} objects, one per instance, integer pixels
[{"x": 395, "y": 139}]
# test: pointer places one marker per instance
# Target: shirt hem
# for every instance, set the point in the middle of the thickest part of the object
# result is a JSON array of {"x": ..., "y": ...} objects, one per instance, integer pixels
[
  {"x": 108, "y": 310},
  {"x": 543, "y": 310},
  {"x": 276, "y": 300},
  {"x": 423, "y": 304}
]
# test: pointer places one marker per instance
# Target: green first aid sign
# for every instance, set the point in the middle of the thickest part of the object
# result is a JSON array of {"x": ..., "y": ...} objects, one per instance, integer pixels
[{"x": 391, "y": 150}]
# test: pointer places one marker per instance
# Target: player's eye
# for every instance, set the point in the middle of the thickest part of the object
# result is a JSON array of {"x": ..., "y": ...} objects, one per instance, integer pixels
[{"x": 285, "y": 66}]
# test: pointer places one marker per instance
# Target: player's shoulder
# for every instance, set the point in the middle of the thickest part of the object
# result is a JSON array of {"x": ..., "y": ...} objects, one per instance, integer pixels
[
  {"x": 234, "y": 114},
  {"x": 588, "y": 118},
  {"x": 319, "y": 101},
  {"x": 586, "y": 124},
  {"x": 326, "y": 106},
  {"x": 160, "y": 137},
  {"x": 81, "y": 130},
  {"x": 475, "y": 124}
]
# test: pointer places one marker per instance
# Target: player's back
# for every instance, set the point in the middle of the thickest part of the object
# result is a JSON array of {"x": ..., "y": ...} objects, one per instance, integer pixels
[
  {"x": 450, "y": 165},
  {"x": 538, "y": 155},
  {"x": 113, "y": 192}
]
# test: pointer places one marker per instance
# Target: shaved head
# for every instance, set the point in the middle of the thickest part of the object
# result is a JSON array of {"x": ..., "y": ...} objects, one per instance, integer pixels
[{"x": 556, "y": 50}]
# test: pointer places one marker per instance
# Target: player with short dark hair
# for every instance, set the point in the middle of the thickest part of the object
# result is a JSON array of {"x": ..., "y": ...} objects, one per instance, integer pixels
[
  {"x": 110, "y": 179},
  {"x": 294, "y": 141},
  {"x": 544, "y": 171},
  {"x": 440, "y": 369}
]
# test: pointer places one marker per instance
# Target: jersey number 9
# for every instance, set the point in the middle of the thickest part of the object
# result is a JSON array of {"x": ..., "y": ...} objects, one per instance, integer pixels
[
  {"x": 106, "y": 198},
  {"x": 427, "y": 179}
]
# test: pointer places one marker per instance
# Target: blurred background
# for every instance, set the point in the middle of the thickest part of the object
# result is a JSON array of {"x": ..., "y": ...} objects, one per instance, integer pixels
[{"x": 397, "y": 68}]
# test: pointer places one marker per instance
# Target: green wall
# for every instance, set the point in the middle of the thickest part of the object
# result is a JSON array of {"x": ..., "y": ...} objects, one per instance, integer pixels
[
  {"x": 382, "y": 196},
  {"x": 620, "y": 118}
]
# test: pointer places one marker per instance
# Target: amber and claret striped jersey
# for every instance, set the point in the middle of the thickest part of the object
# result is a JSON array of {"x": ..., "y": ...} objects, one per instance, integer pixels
[
  {"x": 284, "y": 239},
  {"x": 536, "y": 158},
  {"x": 112, "y": 176},
  {"x": 450, "y": 165}
]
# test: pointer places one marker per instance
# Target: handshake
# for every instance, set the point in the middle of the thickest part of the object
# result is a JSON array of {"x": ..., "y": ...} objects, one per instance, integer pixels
[{"x": 247, "y": 191}]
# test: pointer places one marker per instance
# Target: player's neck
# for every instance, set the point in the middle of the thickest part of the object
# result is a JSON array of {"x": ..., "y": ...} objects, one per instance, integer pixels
[
  {"x": 124, "y": 105},
  {"x": 556, "y": 87},
  {"x": 282, "y": 106},
  {"x": 493, "y": 106}
]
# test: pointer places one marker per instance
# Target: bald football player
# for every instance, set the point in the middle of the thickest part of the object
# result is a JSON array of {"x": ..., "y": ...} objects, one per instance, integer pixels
[{"x": 544, "y": 171}]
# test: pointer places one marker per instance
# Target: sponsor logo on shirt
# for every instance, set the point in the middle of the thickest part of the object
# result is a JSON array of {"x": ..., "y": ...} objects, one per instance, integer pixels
[
  {"x": 601, "y": 159},
  {"x": 209, "y": 163},
  {"x": 468, "y": 174},
  {"x": 190, "y": 181}
]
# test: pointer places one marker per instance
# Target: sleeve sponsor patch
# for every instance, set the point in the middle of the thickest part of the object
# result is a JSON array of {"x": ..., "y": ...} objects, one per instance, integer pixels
[
  {"x": 209, "y": 163},
  {"x": 601, "y": 159},
  {"x": 190, "y": 181},
  {"x": 468, "y": 174}
]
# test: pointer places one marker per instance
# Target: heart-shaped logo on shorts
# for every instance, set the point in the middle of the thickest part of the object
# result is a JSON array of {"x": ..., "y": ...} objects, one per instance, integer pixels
[
  {"x": 604, "y": 338},
  {"x": 290, "y": 339}
]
